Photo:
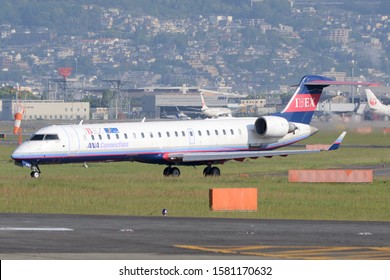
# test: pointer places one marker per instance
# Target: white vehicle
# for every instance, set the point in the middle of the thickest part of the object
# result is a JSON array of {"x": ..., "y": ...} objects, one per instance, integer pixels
[
  {"x": 376, "y": 106},
  {"x": 174, "y": 143},
  {"x": 214, "y": 112}
]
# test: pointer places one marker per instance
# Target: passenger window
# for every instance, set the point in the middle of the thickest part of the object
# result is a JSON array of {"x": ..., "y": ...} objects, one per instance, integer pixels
[
  {"x": 216, "y": 132},
  {"x": 92, "y": 137},
  {"x": 191, "y": 134},
  {"x": 159, "y": 134},
  {"x": 200, "y": 133},
  {"x": 100, "y": 137},
  {"x": 208, "y": 132},
  {"x": 151, "y": 134},
  {"x": 142, "y": 135},
  {"x": 108, "y": 136},
  {"x": 183, "y": 133},
  {"x": 224, "y": 131},
  {"x": 168, "y": 135},
  {"x": 125, "y": 135},
  {"x": 117, "y": 136},
  {"x": 232, "y": 131},
  {"x": 176, "y": 134}
]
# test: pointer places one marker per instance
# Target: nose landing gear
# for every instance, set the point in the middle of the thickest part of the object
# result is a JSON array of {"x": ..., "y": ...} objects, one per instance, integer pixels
[{"x": 35, "y": 171}]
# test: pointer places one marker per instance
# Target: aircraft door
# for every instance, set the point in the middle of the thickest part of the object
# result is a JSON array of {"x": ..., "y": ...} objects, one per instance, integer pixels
[{"x": 73, "y": 141}]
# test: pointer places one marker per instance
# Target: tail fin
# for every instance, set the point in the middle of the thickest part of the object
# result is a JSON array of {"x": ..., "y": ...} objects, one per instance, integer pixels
[
  {"x": 302, "y": 105},
  {"x": 373, "y": 101},
  {"x": 204, "y": 106}
]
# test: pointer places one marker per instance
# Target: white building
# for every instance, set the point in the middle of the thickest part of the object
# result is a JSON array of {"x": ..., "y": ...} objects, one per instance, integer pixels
[{"x": 46, "y": 110}]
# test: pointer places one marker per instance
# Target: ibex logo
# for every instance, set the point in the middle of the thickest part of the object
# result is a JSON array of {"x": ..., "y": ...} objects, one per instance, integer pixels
[{"x": 303, "y": 103}]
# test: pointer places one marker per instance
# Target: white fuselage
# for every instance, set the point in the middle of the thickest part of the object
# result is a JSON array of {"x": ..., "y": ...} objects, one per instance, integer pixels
[
  {"x": 217, "y": 112},
  {"x": 148, "y": 142}
]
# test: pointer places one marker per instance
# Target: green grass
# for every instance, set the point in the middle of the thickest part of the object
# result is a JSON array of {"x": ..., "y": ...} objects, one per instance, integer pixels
[{"x": 140, "y": 189}]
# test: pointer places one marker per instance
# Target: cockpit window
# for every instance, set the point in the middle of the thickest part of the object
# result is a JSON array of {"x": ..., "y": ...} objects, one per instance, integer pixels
[
  {"x": 40, "y": 137},
  {"x": 51, "y": 137},
  {"x": 37, "y": 137}
]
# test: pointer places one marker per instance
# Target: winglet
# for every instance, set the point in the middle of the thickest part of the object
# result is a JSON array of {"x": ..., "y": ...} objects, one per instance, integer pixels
[{"x": 336, "y": 144}]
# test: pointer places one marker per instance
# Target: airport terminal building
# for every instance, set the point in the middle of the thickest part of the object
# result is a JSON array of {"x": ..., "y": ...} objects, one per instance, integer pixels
[{"x": 45, "y": 110}]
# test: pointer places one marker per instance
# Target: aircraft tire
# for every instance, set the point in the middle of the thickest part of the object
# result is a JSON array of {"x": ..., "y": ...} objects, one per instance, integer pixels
[
  {"x": 34, "y": 174},
  {"x": 174, "y": 172},
  {"x": 166, "y": 171},
  {"x": 214, "y": 171},
  {"x": 206, "y": 171}
]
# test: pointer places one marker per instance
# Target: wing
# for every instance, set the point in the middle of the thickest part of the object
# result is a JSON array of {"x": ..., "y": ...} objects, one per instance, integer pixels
[{"x": 224, "y": 156}]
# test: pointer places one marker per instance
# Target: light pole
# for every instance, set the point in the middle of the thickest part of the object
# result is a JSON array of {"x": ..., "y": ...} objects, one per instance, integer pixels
[{"x": 352, "y": 86}]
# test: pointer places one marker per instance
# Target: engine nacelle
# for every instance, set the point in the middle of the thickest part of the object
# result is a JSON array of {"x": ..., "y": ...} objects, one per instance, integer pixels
[{"x": 273, "y": 126}]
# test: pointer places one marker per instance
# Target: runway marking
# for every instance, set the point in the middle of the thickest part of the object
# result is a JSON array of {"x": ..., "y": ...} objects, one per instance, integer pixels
[
  {"x": 300, "y": 252},
  {"x": 34, "y": 229}
]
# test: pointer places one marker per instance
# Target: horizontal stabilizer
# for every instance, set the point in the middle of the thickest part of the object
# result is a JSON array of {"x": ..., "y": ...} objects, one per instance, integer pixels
[
  {"x": 338, "y": 83},
  {"x": 337, "y": 143}
]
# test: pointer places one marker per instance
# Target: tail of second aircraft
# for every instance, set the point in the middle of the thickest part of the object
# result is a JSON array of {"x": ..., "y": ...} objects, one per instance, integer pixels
[
  {"x": 204, "y": 106},
  {"x": 373, "y": 101}
]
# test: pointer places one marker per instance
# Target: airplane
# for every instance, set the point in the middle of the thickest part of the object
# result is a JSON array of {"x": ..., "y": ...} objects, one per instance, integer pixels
[
  {"x": 214, "y": 112},
  {"x": 375, "y": 105},
  {"x": 174, "y": 143},
  {"x": 180, "y": 115}
]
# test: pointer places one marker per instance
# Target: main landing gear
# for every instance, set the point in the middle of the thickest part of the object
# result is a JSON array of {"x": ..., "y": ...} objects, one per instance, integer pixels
[
  {"x": 175, "y": 172},
  {"x": 35, "y": 171},
  {"x": 211, "y": 171},
  {"x": 171, "y": 171}
]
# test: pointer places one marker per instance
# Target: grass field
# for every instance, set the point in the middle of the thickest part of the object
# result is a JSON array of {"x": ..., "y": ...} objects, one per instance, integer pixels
[{"x": 140, "y": 189}]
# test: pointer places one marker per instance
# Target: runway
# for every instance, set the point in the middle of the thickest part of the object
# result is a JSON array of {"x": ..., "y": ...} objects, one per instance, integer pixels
[{"x": 57, "y": 236}]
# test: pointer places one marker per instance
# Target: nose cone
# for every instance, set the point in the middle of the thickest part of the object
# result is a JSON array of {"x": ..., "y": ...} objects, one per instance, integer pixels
[
  {"x": 19, "y": 152},
  {"x": 15, "y": 154}
]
